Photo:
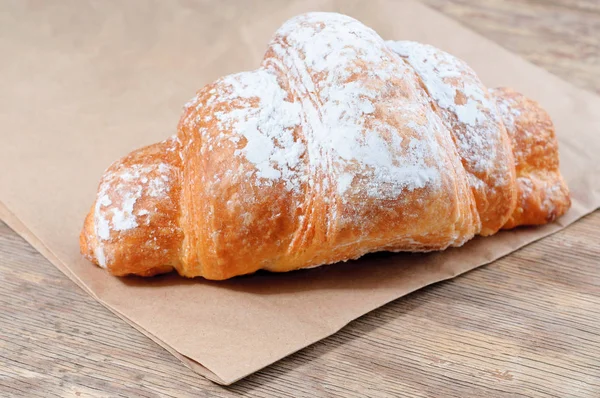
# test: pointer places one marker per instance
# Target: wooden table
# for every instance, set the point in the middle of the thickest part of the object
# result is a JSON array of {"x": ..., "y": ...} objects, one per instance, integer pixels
[{"x": 527, "y": 325}]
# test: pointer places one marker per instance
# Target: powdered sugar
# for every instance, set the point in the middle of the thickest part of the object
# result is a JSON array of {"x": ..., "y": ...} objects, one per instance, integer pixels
[
  {"x": 526, "y": 186},
  {"x": 344, "y": 181},
  {"x": 436, "y": 68},
  {"x": 123, "y": 217},
  {"x": 126, "y": 186},
  {"x": 102, "y": 226},
  {"x": 551, "y": 192},
  {"x": 340, "y": 138},
  {"x": 509, "y": 111},
  {"x": 336, "y": 112},
  {"x": 449, "y": 82},
  {"x": 343, "y": 136},
  {"x": 99, "y": 254},
  {"x": 455, "y": 88},
  {"x": 266, "y": 120},
  {"x": 158, "y": 186}
]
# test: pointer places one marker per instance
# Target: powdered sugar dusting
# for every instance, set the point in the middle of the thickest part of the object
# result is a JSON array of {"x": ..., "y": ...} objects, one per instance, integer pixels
[
  {"x": 526, "y": 186},
  {"x": 123, "y": 217},
  {"x": 118, "y": 197},
  {"x": 509, "y": 108},
  {"x": 99, "y": 254},
  {"x": 318, "y": 55},
  {"x": 335, "y": 112},
  {"x": 455, "y": 88},
  {"x": 437, "y": 69},
  {"x": 509, "y": 111},
  {"x": 158, "y": 186},
  {"x": 266, "y": 120},
  {"x": 551, "y": 192},
  {"x": 344, "y": 181},
  {"x": 102, "y": 227},
  {"x": 342, "y": 133}
]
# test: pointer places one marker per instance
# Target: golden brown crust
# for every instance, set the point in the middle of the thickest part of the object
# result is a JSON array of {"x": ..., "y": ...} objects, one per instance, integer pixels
[
  {"x": 469, "y": 113},
  {"x": 542, "y": 193},
  {"x": 337, "y": 146},
  {"x": 133, "y": 228}
]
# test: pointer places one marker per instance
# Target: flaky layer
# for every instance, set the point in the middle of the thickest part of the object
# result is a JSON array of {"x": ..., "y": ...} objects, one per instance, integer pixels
[{"x": 542, "y": 193}]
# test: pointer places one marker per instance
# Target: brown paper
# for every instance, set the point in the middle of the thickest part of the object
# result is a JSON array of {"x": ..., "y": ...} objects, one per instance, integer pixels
[{"x": 85, "y": 83}]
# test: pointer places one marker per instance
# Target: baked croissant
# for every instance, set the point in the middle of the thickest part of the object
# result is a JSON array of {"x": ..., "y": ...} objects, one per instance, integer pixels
[{"x": 340, "y": 144}]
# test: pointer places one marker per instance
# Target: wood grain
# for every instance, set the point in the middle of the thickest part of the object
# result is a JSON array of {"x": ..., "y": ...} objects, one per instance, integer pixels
[
  {"x": 562, "y": 36},
  {"x": 526, "y": 325}
]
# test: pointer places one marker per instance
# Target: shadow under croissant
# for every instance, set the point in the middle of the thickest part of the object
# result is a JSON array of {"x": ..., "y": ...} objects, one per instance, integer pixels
[
  {"x": 368, "y": 269},
  {"x": 376, "y": 278},
  {"x": 360, "y": 327},
  {"x": 406, "y": 271}
]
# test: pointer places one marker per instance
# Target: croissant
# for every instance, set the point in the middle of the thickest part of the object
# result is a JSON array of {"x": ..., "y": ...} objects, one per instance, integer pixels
[{"x": 338, "y": 145}]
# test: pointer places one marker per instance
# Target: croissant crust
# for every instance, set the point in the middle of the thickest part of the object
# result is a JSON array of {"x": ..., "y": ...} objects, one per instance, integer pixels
[{"x": 338, "y": 145}]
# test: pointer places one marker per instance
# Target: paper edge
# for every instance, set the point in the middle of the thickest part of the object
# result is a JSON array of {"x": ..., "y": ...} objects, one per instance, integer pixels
[
  {"x": 551, "y": 231},
  {"x": 19, "y": 228}
]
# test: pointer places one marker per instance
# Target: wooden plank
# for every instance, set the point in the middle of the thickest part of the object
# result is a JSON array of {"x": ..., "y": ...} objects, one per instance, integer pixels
[
  {"x": 561, "y": 36},
  {"x": 526, "y": 325}
]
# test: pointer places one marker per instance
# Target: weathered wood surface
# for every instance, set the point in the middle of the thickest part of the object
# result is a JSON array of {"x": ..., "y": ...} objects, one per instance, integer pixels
[{"x": 527, "y": 325}]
